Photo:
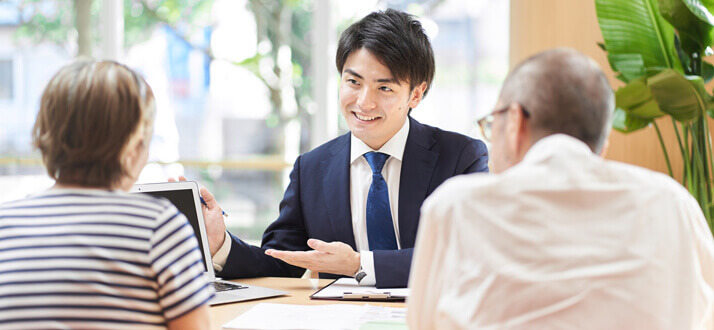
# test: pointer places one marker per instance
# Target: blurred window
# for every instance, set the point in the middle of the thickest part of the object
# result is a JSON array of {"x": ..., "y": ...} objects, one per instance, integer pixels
[
  {"x": 235, "y": 83},
  {"x": 7, "y": 86}
]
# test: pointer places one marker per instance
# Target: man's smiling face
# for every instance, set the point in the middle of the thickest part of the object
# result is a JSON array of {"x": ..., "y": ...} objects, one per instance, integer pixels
[{"x": 374, "y": 103}]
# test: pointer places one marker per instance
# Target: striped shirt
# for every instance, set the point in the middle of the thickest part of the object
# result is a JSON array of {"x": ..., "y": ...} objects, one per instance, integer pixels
[{"x": 83, "y": 258}]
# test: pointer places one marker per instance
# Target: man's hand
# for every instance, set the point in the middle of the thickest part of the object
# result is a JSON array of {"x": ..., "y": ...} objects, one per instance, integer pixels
[
  {"x": 213, "y": 216},
  {"x": 333, "y": 258}
]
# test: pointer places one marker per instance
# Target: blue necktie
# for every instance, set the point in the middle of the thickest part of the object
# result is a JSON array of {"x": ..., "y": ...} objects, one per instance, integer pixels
[{"x": 380, "y": 230}]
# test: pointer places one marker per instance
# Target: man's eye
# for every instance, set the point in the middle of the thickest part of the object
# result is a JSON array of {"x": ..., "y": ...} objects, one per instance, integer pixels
[
  {"x": 385, "y": 88},
  {"x": 352, "y": 81}
]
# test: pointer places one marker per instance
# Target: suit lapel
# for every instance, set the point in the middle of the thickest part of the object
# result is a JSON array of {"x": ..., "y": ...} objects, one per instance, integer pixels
[
  {"x": 418, "y": 165},
  {"x": 336, "y": 189}
]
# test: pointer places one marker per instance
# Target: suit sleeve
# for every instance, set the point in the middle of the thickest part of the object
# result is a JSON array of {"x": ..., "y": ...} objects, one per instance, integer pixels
[
  {"x": 286, "y": 233},
  {"x": 392, "y": 267},
  {"x": 474, "y": 158}
]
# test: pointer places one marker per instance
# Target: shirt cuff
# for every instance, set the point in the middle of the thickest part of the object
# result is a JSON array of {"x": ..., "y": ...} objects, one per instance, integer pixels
[
  {"x": 367, "y": 264},
  {"x": 220, "y": 258}
]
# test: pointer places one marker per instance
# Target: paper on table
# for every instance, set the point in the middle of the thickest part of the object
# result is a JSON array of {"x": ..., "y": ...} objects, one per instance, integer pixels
[
  {"x": 269, "y": 316},
  {"x": 345, "y": 284},
  {"x": 385, "y": 325}
]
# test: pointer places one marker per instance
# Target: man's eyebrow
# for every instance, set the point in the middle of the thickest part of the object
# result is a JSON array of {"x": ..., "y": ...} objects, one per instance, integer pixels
[
  {"x": 381, "y": 80},
  {"x": 353, "y": 73},
  {"x": 388, "y": 80}
]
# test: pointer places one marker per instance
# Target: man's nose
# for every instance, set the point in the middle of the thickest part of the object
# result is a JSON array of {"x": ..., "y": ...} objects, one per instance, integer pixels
[{"x": 366, "y": 99}]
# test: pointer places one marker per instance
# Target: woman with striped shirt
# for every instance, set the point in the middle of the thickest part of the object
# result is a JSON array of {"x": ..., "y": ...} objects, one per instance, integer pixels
[{"x": 85, "y": 253}]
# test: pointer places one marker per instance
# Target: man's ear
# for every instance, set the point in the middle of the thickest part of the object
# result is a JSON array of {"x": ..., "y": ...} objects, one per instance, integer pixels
[
  {"x": 603, "y": 151},
  {"x": 517, "y": 131},
  {"x": 416, "y": 95}
]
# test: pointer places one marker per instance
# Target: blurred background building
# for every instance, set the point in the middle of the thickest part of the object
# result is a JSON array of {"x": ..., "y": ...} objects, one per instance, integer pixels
[{"x": 242, "y": 86}]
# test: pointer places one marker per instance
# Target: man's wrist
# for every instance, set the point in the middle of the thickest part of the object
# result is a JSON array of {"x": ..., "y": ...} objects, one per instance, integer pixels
[
  {"x": 356, "y": 260},
  {"x": 221, "y": 256},
  {"x": 218, "y": 248}
]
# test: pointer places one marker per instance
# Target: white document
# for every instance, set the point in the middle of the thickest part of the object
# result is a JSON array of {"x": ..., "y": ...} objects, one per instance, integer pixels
[
  {"x": 347, "y": 288},
  {"x": 267, "y": 316}
]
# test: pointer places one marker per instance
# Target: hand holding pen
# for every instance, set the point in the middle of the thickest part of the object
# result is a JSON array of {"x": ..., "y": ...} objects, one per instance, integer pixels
[
  {"x": 215, "y": 224},
  {"x": 183, "y": 178},
  {"x": 204, "y": 203}
]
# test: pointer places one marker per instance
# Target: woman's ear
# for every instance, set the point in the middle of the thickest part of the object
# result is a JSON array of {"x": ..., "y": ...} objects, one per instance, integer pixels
[
  {"x": 133, "y": 158},
  {"x": 128, "y": 160}
]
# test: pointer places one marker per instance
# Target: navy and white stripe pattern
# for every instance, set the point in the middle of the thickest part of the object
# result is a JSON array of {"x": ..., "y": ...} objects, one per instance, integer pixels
[{"x": 81, "y": 258}]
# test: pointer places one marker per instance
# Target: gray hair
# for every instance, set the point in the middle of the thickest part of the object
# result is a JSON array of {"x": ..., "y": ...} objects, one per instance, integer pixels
[{"x": 564, "y": 92}]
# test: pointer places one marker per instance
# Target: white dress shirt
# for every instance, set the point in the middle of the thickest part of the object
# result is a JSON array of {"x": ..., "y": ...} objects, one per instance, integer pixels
[
  {"x": 562, "y": 240},
  {"x": 360, "y": 181}
]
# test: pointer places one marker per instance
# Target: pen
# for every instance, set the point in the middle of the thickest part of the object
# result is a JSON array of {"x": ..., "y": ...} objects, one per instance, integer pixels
[{"x": 204, "y": 203}]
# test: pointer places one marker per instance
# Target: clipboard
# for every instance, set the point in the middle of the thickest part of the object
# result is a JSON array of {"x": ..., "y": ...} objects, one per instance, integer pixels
[{"x": 347, "y": 289}]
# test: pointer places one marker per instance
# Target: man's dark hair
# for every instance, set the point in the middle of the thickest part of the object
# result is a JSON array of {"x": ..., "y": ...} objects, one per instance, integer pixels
[
  {"x": 397, "y": 39},
  {"x": 564, "y": 92}
]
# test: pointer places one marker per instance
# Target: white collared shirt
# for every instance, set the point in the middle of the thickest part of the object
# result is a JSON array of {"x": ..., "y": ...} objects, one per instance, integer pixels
[
  {"x": 360, "y": 181},
  {"x": 564, "y": 239}
]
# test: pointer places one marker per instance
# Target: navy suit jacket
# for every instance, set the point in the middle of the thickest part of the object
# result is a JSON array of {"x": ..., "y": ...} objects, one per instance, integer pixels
[{"x": 316, "y": 203}]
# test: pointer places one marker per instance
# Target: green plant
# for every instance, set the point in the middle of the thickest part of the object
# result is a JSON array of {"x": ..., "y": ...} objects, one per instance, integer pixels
[{"x": 657, "y": 48}]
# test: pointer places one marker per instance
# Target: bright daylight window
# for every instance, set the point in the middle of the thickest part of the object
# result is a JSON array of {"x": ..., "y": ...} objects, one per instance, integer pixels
[{"x": 242, "y": 86}]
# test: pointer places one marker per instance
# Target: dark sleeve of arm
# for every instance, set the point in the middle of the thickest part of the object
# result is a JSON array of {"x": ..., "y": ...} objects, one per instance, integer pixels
[
  {"x": 391, "y": 267},
  {"x": 286, "y": 233},
  {"x": 473, "y": 158}
]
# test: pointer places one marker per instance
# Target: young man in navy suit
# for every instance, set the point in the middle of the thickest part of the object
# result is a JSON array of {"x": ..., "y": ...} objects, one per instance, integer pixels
[{"x": 352, "y": 205}]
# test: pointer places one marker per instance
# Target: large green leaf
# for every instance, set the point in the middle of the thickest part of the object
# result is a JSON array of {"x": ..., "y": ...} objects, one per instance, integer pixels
[
  {"x": 635, "y": 27},
  {"x": 682, "y": 97},
  {"x": 637, "y": 100},
  {"x": 702, "y": 9},
  {"x": 626, "y": 123},
  {"x": 692, "y": 20},
  {"x": 667, "y": 92},
  {"x": 630, "y": 66},
  {"x": 635, "y": 106}
]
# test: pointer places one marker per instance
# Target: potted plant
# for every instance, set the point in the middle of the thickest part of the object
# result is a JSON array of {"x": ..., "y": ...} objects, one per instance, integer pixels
[{"x": 656, "y": 47}]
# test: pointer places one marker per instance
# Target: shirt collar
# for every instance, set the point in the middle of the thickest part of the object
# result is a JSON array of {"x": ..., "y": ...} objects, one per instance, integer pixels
[
  {"x": 556, "y": 144},
  {"x": 394, "y": 147}
]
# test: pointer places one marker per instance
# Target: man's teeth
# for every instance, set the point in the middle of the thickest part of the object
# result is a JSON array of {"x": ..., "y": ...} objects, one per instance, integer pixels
[{"x": 365, "y": 117}]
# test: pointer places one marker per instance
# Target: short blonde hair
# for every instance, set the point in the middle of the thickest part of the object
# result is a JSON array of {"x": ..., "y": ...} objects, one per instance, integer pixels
[{"x": 88, "y": 113}]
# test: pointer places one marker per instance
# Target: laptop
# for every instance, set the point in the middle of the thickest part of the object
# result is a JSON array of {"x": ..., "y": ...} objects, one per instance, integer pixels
[{"x": 184, "y": 195}]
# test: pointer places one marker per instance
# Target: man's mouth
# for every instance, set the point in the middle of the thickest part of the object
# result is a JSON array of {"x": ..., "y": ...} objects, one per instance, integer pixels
[{"x": 364, "y": 118}]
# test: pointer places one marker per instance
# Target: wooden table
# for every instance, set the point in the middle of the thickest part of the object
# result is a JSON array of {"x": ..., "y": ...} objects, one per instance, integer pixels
[{"x": 300, "y": 290}]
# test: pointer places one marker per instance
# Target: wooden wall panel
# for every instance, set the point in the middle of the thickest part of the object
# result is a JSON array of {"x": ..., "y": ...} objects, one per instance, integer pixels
[{"x": 536, "y": 25}]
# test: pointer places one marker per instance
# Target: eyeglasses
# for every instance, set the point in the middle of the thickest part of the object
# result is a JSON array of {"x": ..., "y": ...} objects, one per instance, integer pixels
[{"x": 486, "y": 123}]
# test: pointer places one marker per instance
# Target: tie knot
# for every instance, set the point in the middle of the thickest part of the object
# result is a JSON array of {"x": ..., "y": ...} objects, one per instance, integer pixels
[{"x": 376, "y": 161}]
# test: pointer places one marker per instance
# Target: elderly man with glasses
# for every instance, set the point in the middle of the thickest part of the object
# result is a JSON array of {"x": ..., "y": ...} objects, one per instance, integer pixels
[{"x": 559, "y": 237}]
